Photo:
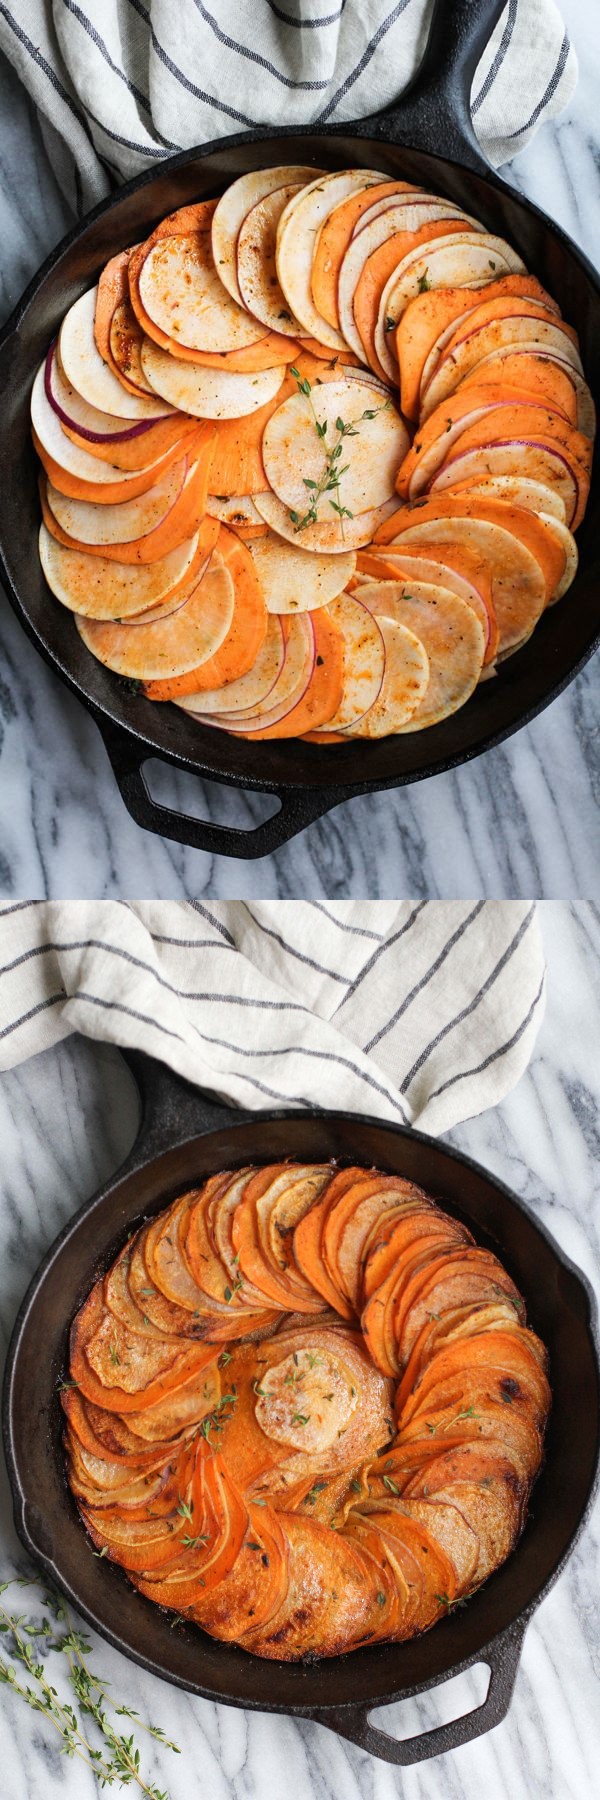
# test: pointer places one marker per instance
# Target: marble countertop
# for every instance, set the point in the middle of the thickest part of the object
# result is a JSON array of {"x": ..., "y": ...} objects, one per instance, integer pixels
[
  {"x": 519, "y": 820},
  {"x": 67, "y": 1118}
]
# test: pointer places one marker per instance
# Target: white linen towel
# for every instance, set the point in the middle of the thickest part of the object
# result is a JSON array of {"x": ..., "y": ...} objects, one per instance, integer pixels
[
  {"x": 119, "y": 84},
  {"x": 422, "y": 1013}
]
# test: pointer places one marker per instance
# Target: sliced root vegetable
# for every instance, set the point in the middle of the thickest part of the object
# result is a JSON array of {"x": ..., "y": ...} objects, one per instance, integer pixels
[
  {"x": 448, "y": 565},
  {"x": 125, "y": 344},
  {"x": 261, "y": 350},
  {"x": 256, "y": 266},
  {"x": 403, "y": 227},
  {"x": 332, "y": 242},
  {"x": 125, "y": 446},
  {"x": 554, "y": 549},
  {"x": 181, "y": 292},
  {"x": 503, "y": 440},
  {"x": 208, "y": 393},
  {"x": 323, "y": 694},
  {"x": 405, "y": 680},
  {"x": 296, "y": 239},
  {"x": 128, "y": 520},
  {"x": 342, "y": 431},
  {"x": 540, "y": 462},
  {"x": 184, "y": 518},
  {"x": 451, "y": 635},
  {"x": 291, "y": 683},
  {"x": 433, "y": 313},
  {"x": 468, "y": 261},
  {"x": 250, "y": 689},
  {"x": 364, "y": 660},
  {"x": 113, "y": 292},
  {"x": 89, "y": 374},
  {"x": 247, "y": 630},
  {"x": 534, "y": 327},
  {"x": 234, "y": 206},
  {"x": 520, "y": 366},
  {"x": 73, "y": 469},
  {"x": 519, "y": 491},
  {"x": 97, "y": 588},
  {"x": 173, "y": 645},
  {"x": 331, "y": 535},
  {"x": 297, "y": 580},
  {"x": 518, "y": 584},
  {"x": 480, "y": 415}
]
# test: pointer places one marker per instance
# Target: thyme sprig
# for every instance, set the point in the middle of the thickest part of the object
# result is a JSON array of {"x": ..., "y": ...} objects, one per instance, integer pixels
[
  {"x": 118, "y": 1759},
  {"x": 329, "y": 481}
]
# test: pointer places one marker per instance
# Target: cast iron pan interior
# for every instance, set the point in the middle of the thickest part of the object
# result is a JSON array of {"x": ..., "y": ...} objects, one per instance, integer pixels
[
  {"x": 415, "y": 140},
  {"x": 169, "y": 1155}
]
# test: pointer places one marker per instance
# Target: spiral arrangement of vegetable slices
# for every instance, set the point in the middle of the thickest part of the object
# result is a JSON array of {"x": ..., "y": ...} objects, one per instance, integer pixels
[
  {"x": 304, "y": 1409},
  {"x": 312, "y": 457}
]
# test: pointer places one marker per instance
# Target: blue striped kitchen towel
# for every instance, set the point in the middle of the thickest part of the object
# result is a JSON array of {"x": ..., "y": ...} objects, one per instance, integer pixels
[
  {"x": 423, "y": 1013},
  {"x": 119, "y": 86}
]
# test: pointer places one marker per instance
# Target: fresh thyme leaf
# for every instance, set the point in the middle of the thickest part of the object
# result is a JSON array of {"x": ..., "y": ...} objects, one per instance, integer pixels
[
  {"x": 392, "y": 1485},
  {"x": 423, "y": 284}
]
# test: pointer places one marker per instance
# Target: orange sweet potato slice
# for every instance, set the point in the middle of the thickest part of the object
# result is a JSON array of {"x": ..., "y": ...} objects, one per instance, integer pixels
[
  {"x": 247, "y": 1598},
  {"x": 463, "y": 1258},
  {"x": 396, "y": 1241},
  {"x": 429, "y": 314},
  {"x": 532, "y": 424},
  {"x": 332, "y": 244},
  {"x": 376, "y": 273},
  {"x": 113, "y": 292},
  {"x": 110, "y": 493},
  {"x": 152, "y": 1384},
  {"x": 426, "y": 1568},
  {"x": 545, "y": 380},
  {"x": 435, "y": 438},
  {"x": 103, "y": 1435},
  {"x": 331, "y": 1595},
  {"x": 340, "y": 1248},
  {"x": 222, "y": 1294},
  {"x": 324, "y": 692},
  {"x": 186, "y": 517},
  {"x": 254, "y": 1261},
  {"x": 199, "y": 1565},
  {"x": 139, "y": 452},
  {"x": 278, "y": 1210},
  {"x": 246, "y": 634},
  {"x": 307, "y": 1241}
]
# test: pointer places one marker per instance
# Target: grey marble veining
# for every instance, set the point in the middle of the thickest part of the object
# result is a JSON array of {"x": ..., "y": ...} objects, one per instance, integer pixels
[
  {"x": 521, "y": 819},
  {"x": 66, "y": 1120}
]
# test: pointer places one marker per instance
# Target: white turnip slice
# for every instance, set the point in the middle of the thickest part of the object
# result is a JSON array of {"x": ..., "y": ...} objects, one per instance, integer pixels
[
  {"x": 364, "y": 660},
  {"x": 249, "y": 690},
  {"x": 124, "y": 521},
  {"x": 405, "y": 681},
  {"x": 333, "y": 536},
  {"x": 297, "y": 580},
  {"x": 208, "y": 393},
  {"x": 342, "y": 426},
  {"x": 98, "y": 588},
  {"x": 451, "y": 635},
  {"x": 89, "y": 374},
  {"x": 233, "y": 207},
  {"x": 296, "y": 239},
  {"x": 165, "y": 647}
]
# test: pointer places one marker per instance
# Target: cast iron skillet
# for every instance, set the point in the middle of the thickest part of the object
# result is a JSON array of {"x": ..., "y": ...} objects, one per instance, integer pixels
[
  {"x": 428, "y": 138},
  {"x": 185, "y": 1135}
]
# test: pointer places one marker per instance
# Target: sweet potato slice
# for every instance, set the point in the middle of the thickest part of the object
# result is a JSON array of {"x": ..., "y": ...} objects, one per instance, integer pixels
[
  {"x": 278, "y": 1211},
  {"x": 297, "y": 234},
  {"x": 209, "y": 1555},
  {"x": 534, "y": 328},
  {"x": 436, "y": 437},
  {"x": 364, "y": 652},
  {"x": 371, "y": 271},
  {"x": 331, "y": 1596},
  {"x": 333, "y": 239},
  {"x": 222, "y": 1292},
  {"x": 248, "y": 1597},
  {"x": 324, "y": 692},
  {"x": 466, "y": 256},
  {"x": 429, "y": 314},
  {"x": 426, "y": 1567},
  {"x": 470, "y": 1279},
  {"x": 256, "y": 266},
  {"x": 298, "y": 1186},
  {"x": 296, "y": 580},
  {"x": 376, "y": 1192},
  {"x": 519, "y": 428},
  {"x": 125, "y": 522},
  {"x": 113, "y": 294},
  {"x": 104, "y": 1435},
  {"x": 247, "y": 690},
  {"x": 125, "y": 345},
  {"x": 307, "y": 1241},
  {"x": 185, "y": 518}
]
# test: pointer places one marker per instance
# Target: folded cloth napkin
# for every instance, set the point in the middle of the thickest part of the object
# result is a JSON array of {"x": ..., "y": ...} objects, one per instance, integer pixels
[
  {"x": 422, "y": 1013},
  {"x": 123, "y": 84}
]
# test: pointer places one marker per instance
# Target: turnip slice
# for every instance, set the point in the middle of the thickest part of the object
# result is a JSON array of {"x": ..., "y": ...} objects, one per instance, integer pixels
[
  {"x": 438, "y": 348},
  {"x": 520, "y": 330},
  {"x": 405, "y": 681},
  {"x": 291, "y": 684},
  {"x": 364, "y": 661},
  {"x": 90, "y": 523},
  {"x": 89, "y": 374},
  {"x": 543, "y": 462},
  {"x": 431, "y": 459},
  {"x": 68, "y": 455},
  {"x": 125, "y": 339},
  {"x": 234, "y": 206},
  {"x": 333, "y": 536},
  {"x": 425, "y": 568},
  {"x": 237, "y": 509},
  {"x": 519, "y": 491},
  {"x": 181, "y": 291},
  {"x": 465, "y": 260},
  {"x": 99, "y": 589},
  {"x": 518, "y": 586},
  {"x": 296, "y": 238},
  {"x": 393, "y": 223},
  {"x": 87, "y": 421},
  {"x": 451, "y": 635},
  {"x": 208, "y": 393},
  {"x": 560, "y": 532},
  {"x": 256, "y": 266},
  {"x": 168, "y": 646},
  {"x": 411, "y": 197},
  {"x": 295, "y": 452},
  {"x": 297, "y": 580},
  {"x": 249, "y": 690}
]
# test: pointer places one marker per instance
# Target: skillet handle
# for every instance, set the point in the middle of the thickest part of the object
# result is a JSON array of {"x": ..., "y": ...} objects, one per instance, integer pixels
[
  {"x": 298, "y": 807},
  {"x": 172, "y": 1109},
  {"x": 502, "y": 1656},
  {"x": 434, "y": 112}
]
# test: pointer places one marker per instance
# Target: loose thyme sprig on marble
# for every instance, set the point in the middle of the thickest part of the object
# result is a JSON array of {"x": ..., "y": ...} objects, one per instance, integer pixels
[{"x": 118, "y": 1760}]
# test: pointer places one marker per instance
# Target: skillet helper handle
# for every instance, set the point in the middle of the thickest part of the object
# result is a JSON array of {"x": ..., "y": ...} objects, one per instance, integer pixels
[
  {"x": 298, "y": 807},
  {"x": 434, "y": 112},
  {"x": 173, "y": 1109},
  {"x": 502, "y": 1656}
]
